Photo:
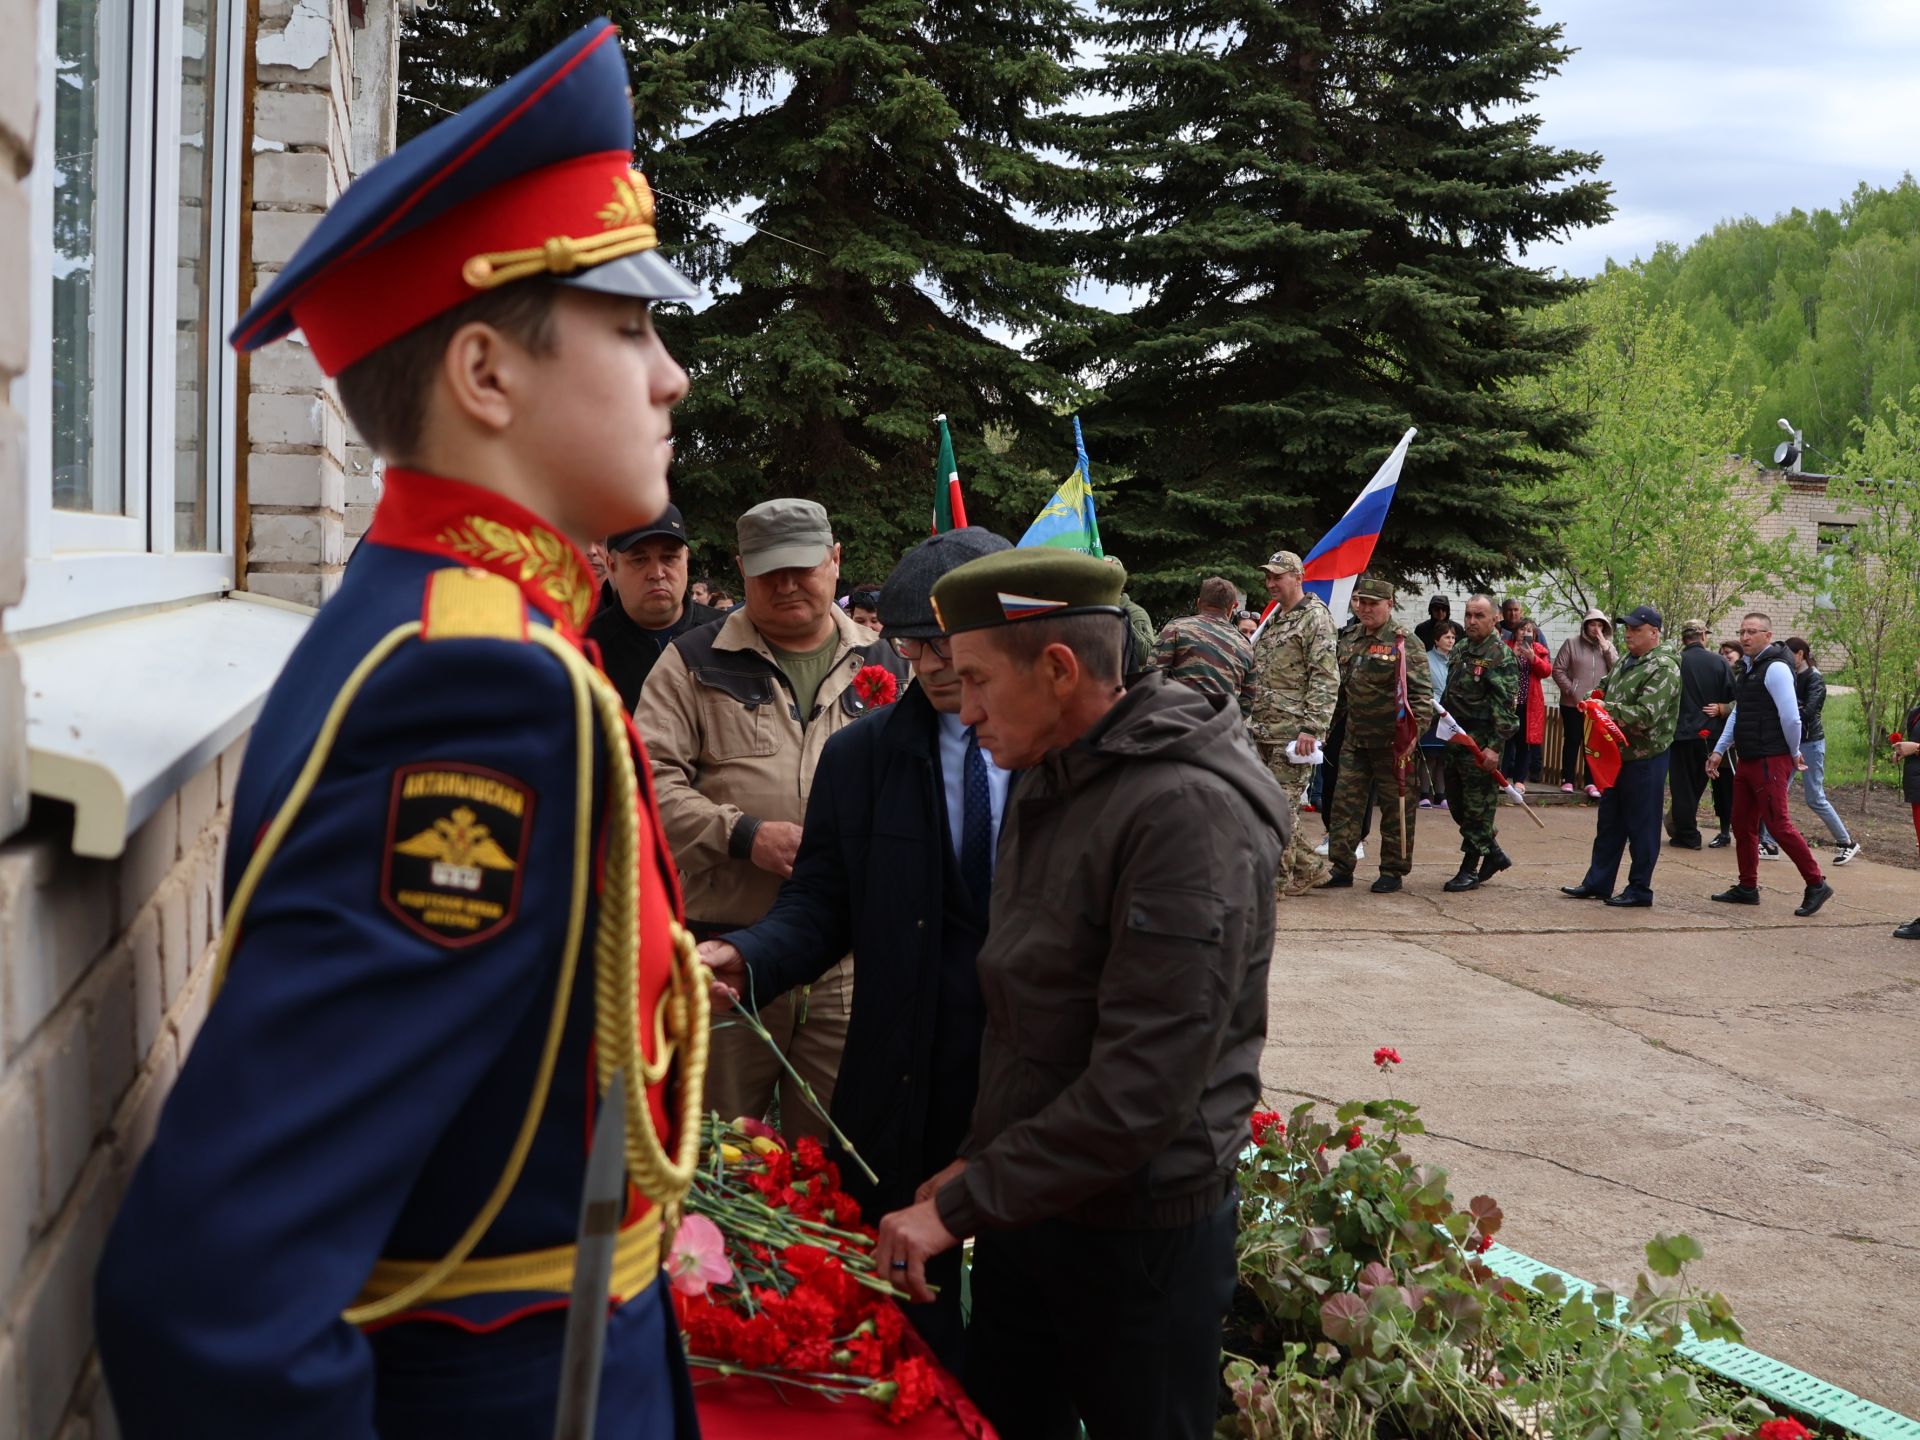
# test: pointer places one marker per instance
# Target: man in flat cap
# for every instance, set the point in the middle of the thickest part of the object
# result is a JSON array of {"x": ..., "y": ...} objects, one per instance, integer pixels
[
  {"x": 1389, "y": 695},
  {"x": 1642, "y": 694},
  {"x": 736, "y": 715},
  {"x": 1125, "y": 979},
  {"x": 1296, "y": 683},
  {"x": 896, "y": 865}
]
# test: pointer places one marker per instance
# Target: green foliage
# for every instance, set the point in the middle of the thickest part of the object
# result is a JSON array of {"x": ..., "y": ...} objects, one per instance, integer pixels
[
  {"x": 893, "y": 153},
  {"x": 1657, "y": 509},
  {"x": 1816, "y": 312},
  {"x": 1316, "y": 208},
  {"x": 1365, "y": 1310},
  {"x": 1872, "y": 569}
]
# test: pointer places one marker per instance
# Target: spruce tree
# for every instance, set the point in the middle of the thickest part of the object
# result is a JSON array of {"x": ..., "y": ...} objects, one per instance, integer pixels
[
  {"x": 1322, "y": 209},
  {"x": 890, "y": 152}
]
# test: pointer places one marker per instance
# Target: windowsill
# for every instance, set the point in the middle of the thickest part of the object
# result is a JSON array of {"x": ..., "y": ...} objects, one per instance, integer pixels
[
  {"x": 78, "y": 587},
  {"x": 122, "y": 713}
]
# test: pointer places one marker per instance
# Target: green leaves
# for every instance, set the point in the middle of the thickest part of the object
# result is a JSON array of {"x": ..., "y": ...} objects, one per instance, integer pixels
[{"x": 1666, "y": 1254}]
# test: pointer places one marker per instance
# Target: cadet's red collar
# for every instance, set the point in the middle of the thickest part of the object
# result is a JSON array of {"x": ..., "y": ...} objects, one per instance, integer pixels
[{"x": 463, "y": 522}]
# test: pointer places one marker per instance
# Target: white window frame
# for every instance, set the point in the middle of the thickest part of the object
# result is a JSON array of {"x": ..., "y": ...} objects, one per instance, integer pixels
[{"x": 81, "y": 566}]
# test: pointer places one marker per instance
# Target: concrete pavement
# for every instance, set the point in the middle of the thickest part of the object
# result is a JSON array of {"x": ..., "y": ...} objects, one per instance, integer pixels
[{"x": 1734, "y": 1072}]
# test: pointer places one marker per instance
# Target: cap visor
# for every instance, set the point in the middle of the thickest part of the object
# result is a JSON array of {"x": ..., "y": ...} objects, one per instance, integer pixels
[
  {"x": 783, "y": 557},
  {"x": 1279, "y": 570},
  {"x": 642, "y": 276}
]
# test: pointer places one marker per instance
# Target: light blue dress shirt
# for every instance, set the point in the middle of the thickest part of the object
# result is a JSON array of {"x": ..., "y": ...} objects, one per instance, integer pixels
[{"x": 953, "y": 773}]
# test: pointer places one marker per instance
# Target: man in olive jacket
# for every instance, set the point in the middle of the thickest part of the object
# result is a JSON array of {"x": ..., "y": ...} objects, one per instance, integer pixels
[{"x": 1125, "y": 980}]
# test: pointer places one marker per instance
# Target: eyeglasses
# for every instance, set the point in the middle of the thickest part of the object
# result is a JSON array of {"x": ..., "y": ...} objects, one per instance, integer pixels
[{"x": 908, "y": 649}]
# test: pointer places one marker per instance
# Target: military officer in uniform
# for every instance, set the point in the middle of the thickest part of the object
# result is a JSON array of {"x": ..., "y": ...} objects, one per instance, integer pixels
[
  {"x": 1296, "y": 683},
  {"x": 451, "y": 914},
  {"x": 1482, "y": 679},
  {"x": 1380, "y": 661}
]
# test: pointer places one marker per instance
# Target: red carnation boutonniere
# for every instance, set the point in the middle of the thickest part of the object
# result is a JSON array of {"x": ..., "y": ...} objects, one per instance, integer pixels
[
  {"x": 1706, "y": 734},
  {"x": 1894, "y": 738},
  {"x": 876, "y": 686}
]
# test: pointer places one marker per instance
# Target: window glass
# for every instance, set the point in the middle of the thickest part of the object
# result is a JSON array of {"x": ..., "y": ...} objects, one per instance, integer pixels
[
  {"x": 90, "y": 104},
  {"x": 193, "y": 321}
]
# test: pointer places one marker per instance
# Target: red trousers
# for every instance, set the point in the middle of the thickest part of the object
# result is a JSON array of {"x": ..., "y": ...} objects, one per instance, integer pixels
[{"x": 1760, "y": 797}]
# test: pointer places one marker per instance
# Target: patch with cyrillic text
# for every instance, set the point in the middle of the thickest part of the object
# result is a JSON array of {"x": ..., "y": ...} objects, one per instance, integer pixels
[{"x": 456, "y": 844}]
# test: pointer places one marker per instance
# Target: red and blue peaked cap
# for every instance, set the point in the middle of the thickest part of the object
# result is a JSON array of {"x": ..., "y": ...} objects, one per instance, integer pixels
[{"x": 535, "y": 179}]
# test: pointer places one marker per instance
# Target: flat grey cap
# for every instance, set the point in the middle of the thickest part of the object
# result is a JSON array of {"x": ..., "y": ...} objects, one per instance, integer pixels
[
  {"x": 906, "y": 600},
  {"x": 783, "y": 535}
]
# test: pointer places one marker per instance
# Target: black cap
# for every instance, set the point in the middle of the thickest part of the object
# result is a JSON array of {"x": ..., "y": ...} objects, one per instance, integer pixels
[
  {"x": 1641, "y": 615},
  {"x": 906, "y": 599},
  {"x": 669, "y": 524}
]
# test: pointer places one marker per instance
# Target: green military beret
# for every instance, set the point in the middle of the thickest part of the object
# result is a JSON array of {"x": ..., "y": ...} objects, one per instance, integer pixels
[
  {"x": 1373, "y": 588},
  {"x": 1038, "y": 583}
]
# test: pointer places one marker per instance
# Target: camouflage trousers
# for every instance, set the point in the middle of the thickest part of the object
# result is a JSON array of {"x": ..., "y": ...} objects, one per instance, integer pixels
[
  {"x": 1474, "y": 802},
  {"x": 1300, "y": 868},
  {"x": 1369, "y": 774}
]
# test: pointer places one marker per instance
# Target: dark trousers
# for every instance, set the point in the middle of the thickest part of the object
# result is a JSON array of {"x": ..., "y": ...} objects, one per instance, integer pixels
[
  {"x": 1573, "y": 755},
  {"x": 941, "y": 1324},
  {"x": 1120, "y": 1329},
  {"x": 1687, "y": 781},
  {"x": 1327, "y": 778},
  {"x": 1630, "y": 820}
]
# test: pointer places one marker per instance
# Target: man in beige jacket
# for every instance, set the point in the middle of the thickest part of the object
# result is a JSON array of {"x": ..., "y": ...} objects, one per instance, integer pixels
[{"x": 735, "y": 715}]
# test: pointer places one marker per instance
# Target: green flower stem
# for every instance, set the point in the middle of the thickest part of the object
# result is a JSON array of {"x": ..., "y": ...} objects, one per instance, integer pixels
[{"x": 752, "y": 1022}]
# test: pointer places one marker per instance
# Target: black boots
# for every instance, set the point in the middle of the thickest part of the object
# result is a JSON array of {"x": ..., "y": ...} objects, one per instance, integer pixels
[
  {"x": 1493, "y": 862},
  {"x": 1337, "y": 879},
  {"x": 1386, "y": 884},
  {"x": 1468, "y": 876},
  {"x": 1909, "y": 931}
]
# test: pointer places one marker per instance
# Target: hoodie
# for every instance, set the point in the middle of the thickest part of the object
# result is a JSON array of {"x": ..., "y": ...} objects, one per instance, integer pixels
[
  {"x": 1581, "y": 664},
  {"x": 1125, "y": 973}
]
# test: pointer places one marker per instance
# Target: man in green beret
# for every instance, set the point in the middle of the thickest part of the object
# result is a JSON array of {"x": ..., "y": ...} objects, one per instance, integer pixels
[
  {"x": 1125, "y": 980},
  {"x": 1383, "y": 671}
]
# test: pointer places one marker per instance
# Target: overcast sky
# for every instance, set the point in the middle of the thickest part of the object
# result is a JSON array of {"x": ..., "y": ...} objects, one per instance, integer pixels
[{"x": 1711, "y": 109}]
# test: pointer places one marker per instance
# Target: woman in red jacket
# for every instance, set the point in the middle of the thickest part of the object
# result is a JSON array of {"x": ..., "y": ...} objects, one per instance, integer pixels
[{"x": 1522, "y": 758}]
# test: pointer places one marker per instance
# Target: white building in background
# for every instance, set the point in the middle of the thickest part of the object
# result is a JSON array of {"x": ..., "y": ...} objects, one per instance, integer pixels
[{"x": 167, "y": 510}]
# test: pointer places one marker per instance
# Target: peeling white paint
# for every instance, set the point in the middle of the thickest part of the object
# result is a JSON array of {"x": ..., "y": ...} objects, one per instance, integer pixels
[
  {"x": 303, "y": 42},
  {"x": 260, "y": 142}
]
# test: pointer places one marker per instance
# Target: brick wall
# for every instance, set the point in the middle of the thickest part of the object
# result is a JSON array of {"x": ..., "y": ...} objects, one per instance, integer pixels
[
  {"x": 104, "y": 971},
  {"x": 1804, "y": 509}
]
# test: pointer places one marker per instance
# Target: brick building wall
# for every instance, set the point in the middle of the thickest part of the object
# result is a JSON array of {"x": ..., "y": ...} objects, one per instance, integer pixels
[
  {"x": 105, "y": 965},
  {"x": 1803, "y": 511}
]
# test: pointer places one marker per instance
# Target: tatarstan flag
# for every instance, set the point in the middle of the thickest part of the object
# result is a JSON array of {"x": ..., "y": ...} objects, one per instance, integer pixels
[{"x": 949, "y": 509}]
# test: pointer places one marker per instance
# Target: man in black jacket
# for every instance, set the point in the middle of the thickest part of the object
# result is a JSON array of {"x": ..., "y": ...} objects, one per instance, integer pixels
[
  {"x": 644, "y": 603},
  {"x": 896, "y": 864},
  {"x": 1706, "y": 694}
]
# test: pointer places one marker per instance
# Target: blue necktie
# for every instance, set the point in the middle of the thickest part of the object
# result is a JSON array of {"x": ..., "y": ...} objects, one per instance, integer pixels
[{"x": 976, "y": 825}]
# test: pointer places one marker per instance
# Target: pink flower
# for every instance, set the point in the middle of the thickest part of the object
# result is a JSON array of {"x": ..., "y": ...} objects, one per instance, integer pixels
[{"x": 699, "y": 1257}]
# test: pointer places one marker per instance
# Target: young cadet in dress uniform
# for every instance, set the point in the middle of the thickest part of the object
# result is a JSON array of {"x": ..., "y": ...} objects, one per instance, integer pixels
[{"x": 357, "y": 1216}]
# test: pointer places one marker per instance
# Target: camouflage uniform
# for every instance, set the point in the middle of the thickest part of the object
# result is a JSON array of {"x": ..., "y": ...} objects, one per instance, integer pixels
[
  {"x": 1139, "y": 636},
  {"x": 1208, "y": 654},
  {"x": 1482, "y": 679},
  {"x": 1370, "y": 663},
  {"x": 1643, "y": 697},
  {"x": 1296, "y": 684}
]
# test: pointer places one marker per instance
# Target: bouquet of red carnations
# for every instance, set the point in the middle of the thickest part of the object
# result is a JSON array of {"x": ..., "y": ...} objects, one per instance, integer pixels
[{"x": 773, "y": 1278}]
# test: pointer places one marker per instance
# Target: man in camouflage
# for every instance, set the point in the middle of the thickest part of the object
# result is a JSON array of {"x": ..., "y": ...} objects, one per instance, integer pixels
[
  {"x": 1205, "y": 651},
  {"x": 1642, "y": 694},
  {"x": 1296, "y": 683},
  {"x": 1373, "y": 659},
  {"x": 1482, "y": 680}
]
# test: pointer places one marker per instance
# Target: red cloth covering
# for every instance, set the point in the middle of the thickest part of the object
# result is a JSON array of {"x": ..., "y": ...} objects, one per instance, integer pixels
[{"x": 740, "y": 1409}]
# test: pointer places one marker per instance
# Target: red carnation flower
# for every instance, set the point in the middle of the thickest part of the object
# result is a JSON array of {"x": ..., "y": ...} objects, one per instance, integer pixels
[
  {"x": 1267, "y": 1123},
  {"x": 1596, "y": 695},
  {"x": 917, "y": 1389},
  {"x": 1386, "y": 1055},
  {"x": 876, "y": 686},
  {"x": 1894, "y": 738},
  {"x": 1706, "y": 734}
]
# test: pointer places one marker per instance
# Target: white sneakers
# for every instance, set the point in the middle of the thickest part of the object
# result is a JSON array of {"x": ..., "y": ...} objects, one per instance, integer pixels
[{"x": 1843, "y": 853}]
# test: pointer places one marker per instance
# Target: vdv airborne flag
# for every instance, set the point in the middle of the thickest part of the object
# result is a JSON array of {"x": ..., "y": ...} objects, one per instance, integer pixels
[{"x": 1067, "y": 522}]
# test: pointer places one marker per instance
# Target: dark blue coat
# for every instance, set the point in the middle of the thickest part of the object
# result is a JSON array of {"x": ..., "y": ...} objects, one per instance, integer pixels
[{"x": 876, "y": 875}]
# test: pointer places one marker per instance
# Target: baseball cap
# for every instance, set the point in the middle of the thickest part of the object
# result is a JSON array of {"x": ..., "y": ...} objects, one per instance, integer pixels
[
  {"x": 1641, "y": 615},
  {"x": 1283, "y": 562},
  {"x": 784, "y": 534},
  {"x": 668, "y": 523}
]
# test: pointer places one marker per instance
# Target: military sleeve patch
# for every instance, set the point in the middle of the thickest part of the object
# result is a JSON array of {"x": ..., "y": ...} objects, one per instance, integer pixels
[{"x": 455, "y": 849}]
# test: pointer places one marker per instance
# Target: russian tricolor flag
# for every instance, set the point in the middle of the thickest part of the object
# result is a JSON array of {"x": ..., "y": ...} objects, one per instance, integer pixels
[{"x": 1344, "y": 552}]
